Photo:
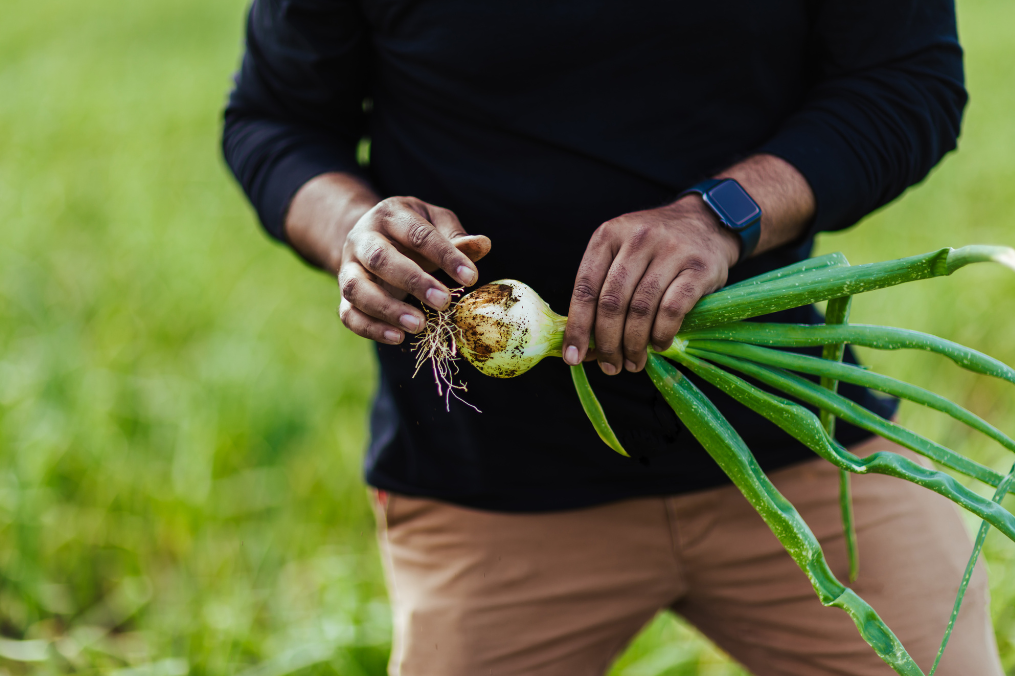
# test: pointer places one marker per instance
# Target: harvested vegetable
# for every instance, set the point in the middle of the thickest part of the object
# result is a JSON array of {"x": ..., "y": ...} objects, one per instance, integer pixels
[{"x": 505, "y": 328}]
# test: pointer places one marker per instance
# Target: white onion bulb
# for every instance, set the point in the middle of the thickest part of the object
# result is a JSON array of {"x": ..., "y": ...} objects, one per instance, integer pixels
[{"x": 505, "y": 328}]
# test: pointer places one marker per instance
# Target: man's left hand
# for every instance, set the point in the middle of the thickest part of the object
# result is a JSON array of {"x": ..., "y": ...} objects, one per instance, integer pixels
[{"x": 641, "y": 273}]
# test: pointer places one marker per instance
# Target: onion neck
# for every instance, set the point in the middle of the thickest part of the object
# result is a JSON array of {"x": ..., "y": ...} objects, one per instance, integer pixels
[
  {"x": 678, "y": 345},
  {"x": 554, "y": 338}
]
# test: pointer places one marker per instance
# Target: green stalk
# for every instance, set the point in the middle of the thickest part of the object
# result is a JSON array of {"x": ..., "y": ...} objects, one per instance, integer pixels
[
  {"x": 854, "y": 414},
  {"x": 837, "y": 312},
  {"x": 857, "y": 376},
  {"x": 594, "y": 410},
  {"x": 730, "y": 452},
  {"x": 865, "y": 335},
  {"x": 742, "y": 302},
  {"x": 981, "y": 536},
  {"x": 831, "y": 260},
  {"x": 804, "y": 426}
]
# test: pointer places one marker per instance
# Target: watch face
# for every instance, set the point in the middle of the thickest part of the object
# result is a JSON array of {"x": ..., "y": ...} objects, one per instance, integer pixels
[{"x": 738, "y": 206}]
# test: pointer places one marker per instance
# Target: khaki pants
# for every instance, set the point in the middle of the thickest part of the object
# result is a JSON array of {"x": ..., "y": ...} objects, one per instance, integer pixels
[{"x": 562, "y": 593}]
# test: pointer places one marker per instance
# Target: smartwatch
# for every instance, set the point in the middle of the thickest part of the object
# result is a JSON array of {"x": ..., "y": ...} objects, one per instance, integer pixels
[{"x": 735, "y": 209}]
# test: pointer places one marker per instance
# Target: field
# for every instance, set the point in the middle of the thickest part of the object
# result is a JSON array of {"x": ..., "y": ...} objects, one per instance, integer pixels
[{"x": 182, "y": 416}]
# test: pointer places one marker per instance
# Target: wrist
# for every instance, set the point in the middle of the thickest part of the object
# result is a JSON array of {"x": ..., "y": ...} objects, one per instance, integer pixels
[
  {"x": 321, "y": 215},
  {"x": 786, "y": 200},
  {"x": 735, "y": 209}
]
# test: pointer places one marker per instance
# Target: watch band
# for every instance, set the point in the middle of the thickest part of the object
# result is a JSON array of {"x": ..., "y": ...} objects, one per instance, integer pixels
[{"x": 735, "y": 209}]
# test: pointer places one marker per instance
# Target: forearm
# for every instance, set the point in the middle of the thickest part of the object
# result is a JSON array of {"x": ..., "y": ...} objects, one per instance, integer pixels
[
  {"x": 786, "y": 200},
  {"x": 323, "y": 212}
]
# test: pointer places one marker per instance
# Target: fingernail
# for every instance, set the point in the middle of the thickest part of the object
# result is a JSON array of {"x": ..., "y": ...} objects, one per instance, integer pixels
[
  {"x": 410, "y": 322},
  {"x": 466, "y": 275},
  {"x": 608, "y": 368},
  {"x": 630, "y": 365},
  {"x": 437, "y": 298},
  {"x": 571, "y": 355},
  {"x": 392, "y": 335}
]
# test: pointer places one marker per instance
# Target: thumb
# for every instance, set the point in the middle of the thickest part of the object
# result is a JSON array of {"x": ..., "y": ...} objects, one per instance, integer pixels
[
  {"x": 473, "y": 246},
  {"x": 445, "y": 220}
]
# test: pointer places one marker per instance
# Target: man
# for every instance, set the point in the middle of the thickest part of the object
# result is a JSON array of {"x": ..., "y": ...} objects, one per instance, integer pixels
[{"x": 515, "y": 542}]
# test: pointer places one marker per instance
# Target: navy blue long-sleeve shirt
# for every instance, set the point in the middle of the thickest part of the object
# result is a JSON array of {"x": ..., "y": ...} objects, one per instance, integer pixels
[{"x": 537, "y": 121}]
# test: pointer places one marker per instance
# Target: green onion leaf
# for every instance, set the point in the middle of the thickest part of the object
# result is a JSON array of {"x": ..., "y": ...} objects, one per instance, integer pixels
[
  {"x": 981, "y": 536},
  {"x": 854, "y": 414},
  {"x": 838, "y": 313},
  {"x": 804, "y": 426},
  {"x": 832, "y": 260},
  {"x": 742, "y": 302},
  {"x": 594, "y": 410},
  {"x": 865, "y": 335},
  {"x": 857, "y": 376},
  {"x": 730, "y": 452}
]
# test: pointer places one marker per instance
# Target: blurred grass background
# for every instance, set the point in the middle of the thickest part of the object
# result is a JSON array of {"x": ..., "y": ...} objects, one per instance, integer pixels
[{"x": 182, "y": 416}]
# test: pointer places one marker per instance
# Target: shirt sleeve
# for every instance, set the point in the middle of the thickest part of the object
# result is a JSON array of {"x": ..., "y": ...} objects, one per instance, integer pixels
[
  {"x": 296, "y": 110},
  {"x": 885, "y": 108}
]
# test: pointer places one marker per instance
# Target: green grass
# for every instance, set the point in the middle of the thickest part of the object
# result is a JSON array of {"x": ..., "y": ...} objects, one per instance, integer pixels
[{"x": 182, "y": 417}]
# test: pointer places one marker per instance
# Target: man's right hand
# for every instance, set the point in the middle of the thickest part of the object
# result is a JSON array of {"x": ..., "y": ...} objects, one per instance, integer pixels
[
  {"x": 389, "y": 254},
  {"x": 381, "y": 251}
]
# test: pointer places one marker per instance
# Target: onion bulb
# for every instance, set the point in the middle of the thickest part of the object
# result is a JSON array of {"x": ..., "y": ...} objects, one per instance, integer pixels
[{"x": 504, "y": 328}]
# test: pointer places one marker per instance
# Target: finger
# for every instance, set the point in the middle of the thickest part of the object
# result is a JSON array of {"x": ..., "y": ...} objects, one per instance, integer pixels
[
  {"x": 418, "y": 234},
  {"x": 363, "y": 325},
  {"x": 380, "y": 257},
  {"x": 473, "y": 246},
  {"x": 615, "y": 301},
  {"x": 446, "y": 221},
  {"x": 641, "y": 311},
  {"x": 581, "y": 313},
  {"x": 681, "y": 295},
  {"x": 361, "y": 289}
]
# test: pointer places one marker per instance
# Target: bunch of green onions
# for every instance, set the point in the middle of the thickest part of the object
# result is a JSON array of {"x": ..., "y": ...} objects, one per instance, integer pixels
[{"x": 505, "y": 328}]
